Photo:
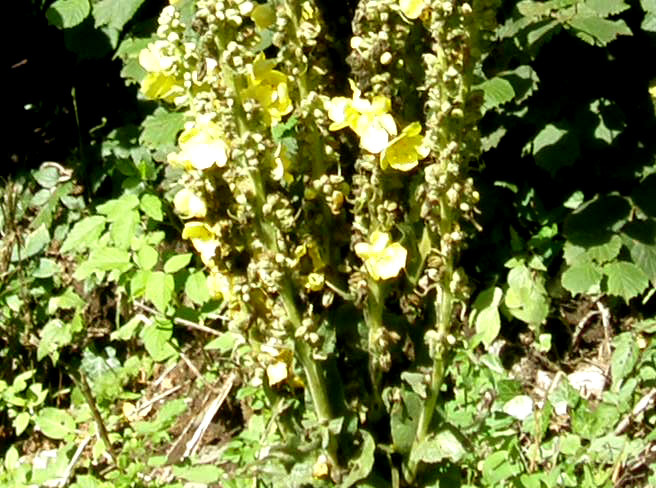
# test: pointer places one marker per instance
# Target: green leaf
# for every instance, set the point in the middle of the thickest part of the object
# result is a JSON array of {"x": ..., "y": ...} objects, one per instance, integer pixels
[
  {"x": 159, "y": 289},
  {"x": 360, "y": 467},
  {"x": 496, "y": 92},
  {"x": 115, "y": 13},
  {"x": 624, "y": 359},
  {"x": 607, "y": 251},
  {"x": 127, "y": 330},
  {"x": 55, "y": 423},
  {"x": 21, "y": 422},
  {"x": 160, "y": 130},
  {"x": 554, "y": 148},
  {"x": 152, "y": 206},
  {"x": 526, "y": 297},
  {"x": 147, "y": 257},
  {"x": 54, "y": 335},
  {"x": 177, "y": 262},
  {"x": 117, "y": 208},
  {"x": 47, "y": 177},
  {"x": 486, "y": 315},
  {"x": 497, "y": 467},
  {"x": 404, "y": 419},
  {"x": 625, "y": 279},
  {"x": 35, "y": 242},
  {"x": 156, "y": 337},
  {"x": 605, "y": 8},
  {"x": 595, "y": 30},
  {"x": 437, "y": 447},
  {"x": 84, "y": 234},
  {"x": 584, "y": 278},
  {"x": 203, "y": 473},
  {"x": 66, "y": 301},
  {"x": 47, "y": 268},
  {"x": 123, "y": 230},
  {"x": 102, "y": 260},
  {"x": 65, "y": 14},
  {"x": 224, "y": 343},
  {"x": 196, "y": 288}
]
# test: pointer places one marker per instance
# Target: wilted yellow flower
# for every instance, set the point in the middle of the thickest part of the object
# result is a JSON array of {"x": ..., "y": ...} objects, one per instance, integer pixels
[
  {"x": 203, "y": 240},
  {"x": 263, "y": 15},
  {"x": 412, "y": 9},
  {"x": 269, "y": 88},
  {"x": 189, "y": 205},
  {"x": 652, "y": 89},
  {"x": 315, "y": 281},
  {"x": 201, "y": 147},
  {"x": 369, "y": 119},
  {"x": 382, "y": 259},
  {"x": 405, "y": 150},
  {"x": 321, "y": 469}
]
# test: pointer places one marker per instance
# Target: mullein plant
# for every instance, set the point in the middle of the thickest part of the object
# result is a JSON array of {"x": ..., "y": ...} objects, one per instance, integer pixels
[{"x": 303, "y": 202}]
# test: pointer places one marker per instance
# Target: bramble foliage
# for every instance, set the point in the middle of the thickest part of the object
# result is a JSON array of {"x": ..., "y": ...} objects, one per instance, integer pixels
[{"x": 391, "y": 243}]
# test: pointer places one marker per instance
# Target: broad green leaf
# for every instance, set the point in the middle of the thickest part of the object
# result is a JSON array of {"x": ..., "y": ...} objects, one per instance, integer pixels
[
  {"x": 84, "y": 234},
  {"x": 641, "y": 247},
  {"x": 159, "y": 289},
  {"x": 404, "y": 418},
  {"x": 102, "y": 260},
  {"x": 67, "y": 300},
  {"x": 526, "y": 297},
  {"x": 486, "y": 315},
  {"x": 203, "y": 473},
  {"x": 147, "y": 257},
  {"x": 152, "y": 206},
  {"x": 127, "y": 330},
  {"x": 583, "y": 277},
  {"x": 591, "y": 424},
  {"x": 595, "y": 30},
  {"x": 497, "y": 467},
  {"x": 47, "y": 268},
  {"x": 625, "y": 279},
  {"x": 156, "y": 336},
  {"x": 438, "y": 447},
  {"x": 117, "y": 208},
  {"x": 160, "y": 130},
  {"x": 21, "y": 422},
  {"x": 33, "y": 244},
  {"x": 624, "y": 359},
  {"x": 605, "y": 8},
  {"x": 177, "y": 262},
  {"x": 555, "y": 147},
  {"x": 115, "y": 13},
  {"x": 196, "y": 288},
  {"x": 123, "y": 230},
  {"x": 55, "y": 423},
  {"x": 360, "y": 467},
  {"x": 47, "y": 177},
  {"x": 224, "y": 343},
  {"x": 65, "y": 14},
  {"x": 496, "y": 92},
  {"x": 570, "y": 444}
]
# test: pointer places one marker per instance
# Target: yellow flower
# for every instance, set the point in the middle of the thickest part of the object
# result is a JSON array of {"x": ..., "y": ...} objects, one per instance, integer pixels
[
  {"x": 203, "y": 240},
  {"x": 269, "y": 88},
  {"x": 412, "y": 9},
  {"x": 404, "y": 151},
  {"x": 315, "y": 281},
  {"x": 382, "y": 260},
  {"x": 276, "y": 372},
  {"x": 159, "y": 82},
  {"x": 201, "y": 147},
  {"x": 369, "y": 119},
  {"x": 189, "y": 205},
  {"x": 218, "y": 285}
]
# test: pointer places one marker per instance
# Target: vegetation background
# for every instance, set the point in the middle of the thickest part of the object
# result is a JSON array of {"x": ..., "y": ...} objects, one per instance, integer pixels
[{"x": 111, "y": 360}]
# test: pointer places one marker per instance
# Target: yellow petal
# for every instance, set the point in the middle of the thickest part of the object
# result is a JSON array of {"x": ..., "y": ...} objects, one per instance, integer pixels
[
  {"x": 412, "y": 8},
  {"x": 276, "y": 373},
  {"x": 373, "y": 138},
  {"x": 189, "y": 205}
]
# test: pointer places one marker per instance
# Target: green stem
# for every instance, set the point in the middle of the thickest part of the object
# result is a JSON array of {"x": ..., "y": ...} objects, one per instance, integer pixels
[{"x": 373, "y": 317}]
